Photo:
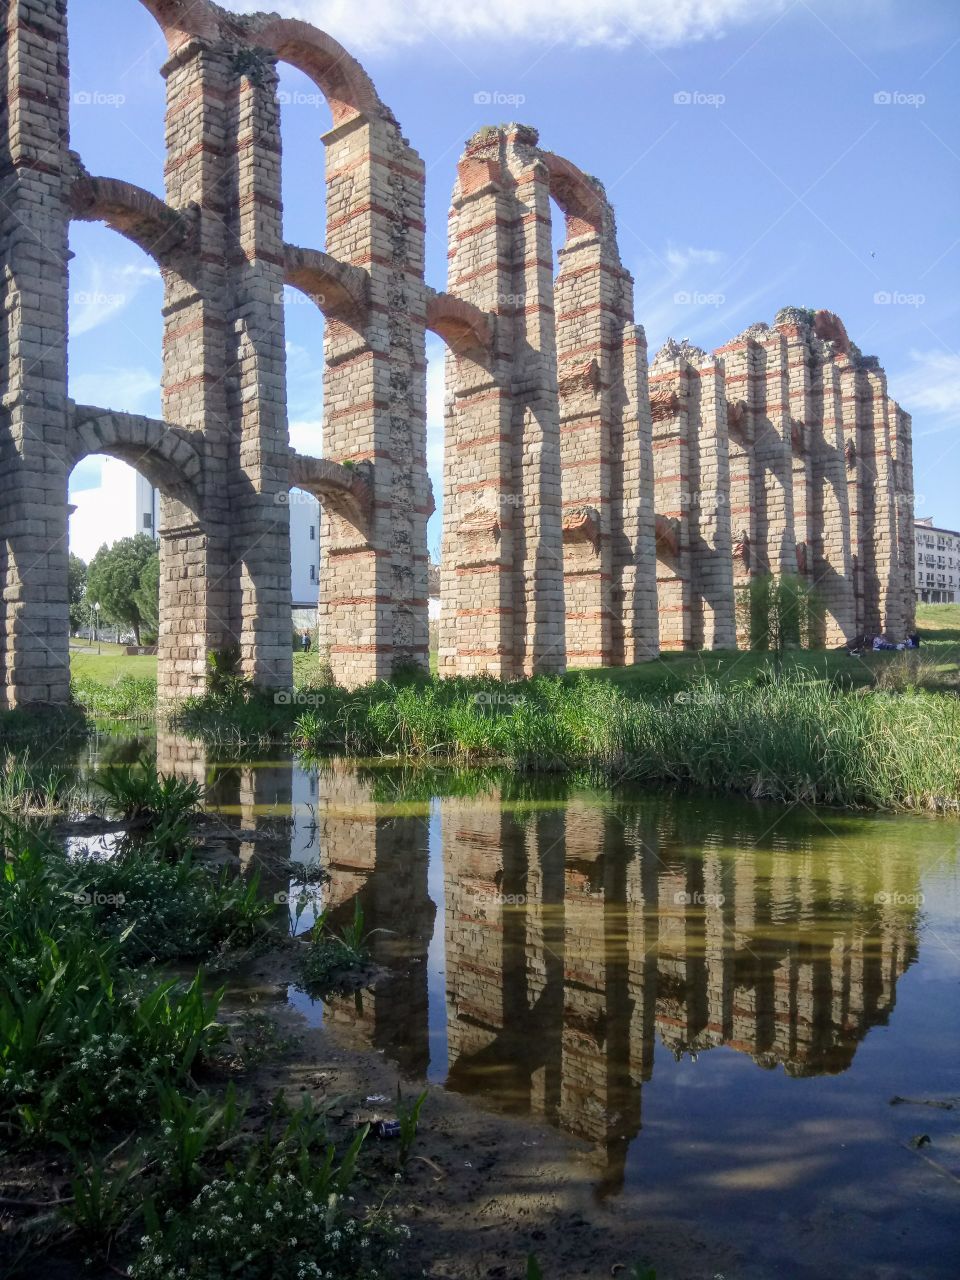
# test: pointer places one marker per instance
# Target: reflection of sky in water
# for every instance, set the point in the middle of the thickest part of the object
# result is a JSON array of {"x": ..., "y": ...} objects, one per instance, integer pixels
[
  {"x": 306, "y": 901},
  {"x": 717, "y": 1001},
  {"x": 312, "y": 1010},
  {"x": 99, "y": 847},
  {"x": 729, "y": 1061}
]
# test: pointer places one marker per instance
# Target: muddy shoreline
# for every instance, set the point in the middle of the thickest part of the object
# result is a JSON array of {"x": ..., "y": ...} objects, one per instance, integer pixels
[{"x": 481, "y": 1191}]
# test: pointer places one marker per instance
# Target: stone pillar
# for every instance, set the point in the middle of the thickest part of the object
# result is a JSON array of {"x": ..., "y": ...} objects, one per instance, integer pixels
[
  {"x": 883, "y": 605},
  {"x": 903, "y": 464},
  {"x": 859, "y": 515},
  {"x": 606, "y": 456},
  {"x": 538, "y": 596},
  {"x": 34, "y": 220},
  {"x": 736, "y": 359},
  {"x": 589, "y": 321},
  {"x": 373, "y": 595},
  {"x": 256, "y": 383},
  {"x": 831, "y": 555},
  {"x": 800, "y": 410},
  {"x": 712, "y": 620},
  {"x": 503, "y": 553},
  {"x": 636, "y": 623},
  {"x": 480, "y": 501},
  {"x": 668, "y": 407},
  {"x": 199, "y": 605},
  {"x": 776, "y": 540}
]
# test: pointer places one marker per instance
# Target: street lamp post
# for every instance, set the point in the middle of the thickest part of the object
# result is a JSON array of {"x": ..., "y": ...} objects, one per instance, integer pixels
[{"x": 96, "y": 625}]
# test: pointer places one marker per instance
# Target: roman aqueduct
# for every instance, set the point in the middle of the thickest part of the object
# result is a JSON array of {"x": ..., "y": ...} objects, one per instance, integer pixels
[{"x": 596, "y": 508}]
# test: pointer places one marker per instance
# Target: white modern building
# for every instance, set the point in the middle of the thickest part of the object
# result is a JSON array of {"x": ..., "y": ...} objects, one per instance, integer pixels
[
  {"x": 124, "y": 504},
  {"x": 121, "y": 505},
  {"x": 304, "y": 558},
  {"x": 937, "y": 578}
]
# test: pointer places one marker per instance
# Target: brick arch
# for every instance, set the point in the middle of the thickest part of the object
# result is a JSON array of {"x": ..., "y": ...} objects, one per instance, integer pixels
[
  {"x": 181, "y": 19},
  {"x": 348, "y": 89},
  {"x": 344, "y": 490},
  {"x": 340, "y": 290},
  {"x": 165, "y": 455},
  {"x": 134, "y": 213},
  {"x": 581, "y": 198},
  {"x": 339, "y": 76},
  {"x": 464, "y": 328},
  {"x": 828, "y": 326}
]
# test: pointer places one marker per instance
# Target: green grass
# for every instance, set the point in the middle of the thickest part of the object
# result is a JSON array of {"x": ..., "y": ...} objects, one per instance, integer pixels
[
  {"x": 108, "y": 667},
  {"x": 939, "y": 622},
  {"x": 788, "y": 736}
]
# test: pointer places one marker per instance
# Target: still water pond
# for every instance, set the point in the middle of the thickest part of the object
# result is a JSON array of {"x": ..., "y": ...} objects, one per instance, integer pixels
[{"x": 715, "y": 1000}]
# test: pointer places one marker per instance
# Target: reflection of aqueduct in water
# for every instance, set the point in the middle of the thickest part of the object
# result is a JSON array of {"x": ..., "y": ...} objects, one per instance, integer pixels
[
  {"x": 575, "y": 936},
  {"x": 593, "y": 510}
]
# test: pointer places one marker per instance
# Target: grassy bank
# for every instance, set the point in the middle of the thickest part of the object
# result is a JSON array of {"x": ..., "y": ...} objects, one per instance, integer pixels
[
  {"x": 879, "y": 730},
  {"x": 782, "y": 736}
]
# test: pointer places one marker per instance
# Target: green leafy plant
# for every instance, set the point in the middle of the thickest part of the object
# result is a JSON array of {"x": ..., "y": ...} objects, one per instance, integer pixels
[
  {"x": 408, "y": 1117},
  {"x": 29, "y": 786},
  {"x": 160, "y": 910},
  {"x": 84, "y": 1039},
  {"x": 142, "y": 797},
  {"x": 191, "y": 1129},
  {"x": 103, "y": 1200},
  {"x": 157, "y": 808},
  {"x": 329, "y": 957},
  {"x": 281, "y": 1214}
]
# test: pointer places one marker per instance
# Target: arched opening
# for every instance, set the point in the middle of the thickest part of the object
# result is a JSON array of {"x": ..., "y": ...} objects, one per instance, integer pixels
[
  {"x": 304, "y": 118},
  {"x": 118, "y": 522},
  {"x": 117, "y": 101},
  {"x": 115, "y": 300},
  {"x": 304, "y": 334},
  {"x": 436, "y": 408}
]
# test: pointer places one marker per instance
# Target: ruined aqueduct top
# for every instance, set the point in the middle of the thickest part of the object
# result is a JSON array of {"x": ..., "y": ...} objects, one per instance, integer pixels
[{"x": 596, "y": 507}]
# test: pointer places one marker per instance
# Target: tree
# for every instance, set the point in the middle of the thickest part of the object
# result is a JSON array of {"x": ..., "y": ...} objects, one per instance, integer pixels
[
  {"x": 115, "y": 581},
  {"x": 148, "y": 594},
  {"x": 76, "y": 586}
]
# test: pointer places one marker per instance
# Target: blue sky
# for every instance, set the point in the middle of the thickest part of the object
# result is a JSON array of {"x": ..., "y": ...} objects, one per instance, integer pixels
[{"x": 759, "y": 155}]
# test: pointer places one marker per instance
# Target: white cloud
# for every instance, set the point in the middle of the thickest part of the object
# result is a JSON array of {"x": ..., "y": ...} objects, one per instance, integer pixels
[
  {"x": 304, "y": 380},
  {"x": 380, "y": 25},
  {"x": 930, "y": 385},
  {"x": 680, "y": 260},
  {"x": 103, "y": 290},
  {"x": 307, "y": 438}
]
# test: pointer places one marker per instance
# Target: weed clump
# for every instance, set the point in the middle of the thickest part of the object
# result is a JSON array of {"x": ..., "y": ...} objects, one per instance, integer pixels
[{"x": 330, "y": 958}]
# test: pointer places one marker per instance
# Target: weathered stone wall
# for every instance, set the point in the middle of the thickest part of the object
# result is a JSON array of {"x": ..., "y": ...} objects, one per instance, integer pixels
[
  {"x": 592, "y": 513},
  {"x": 785, "y": 447}
]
